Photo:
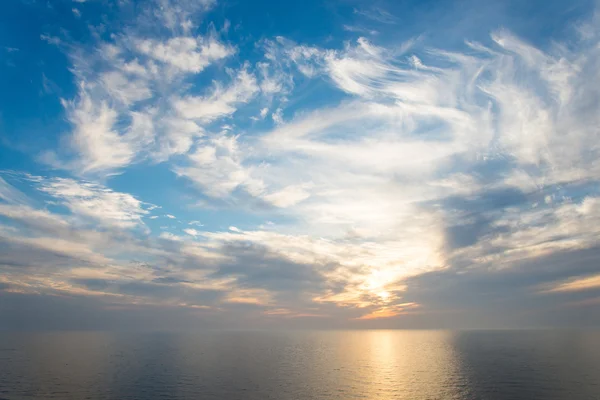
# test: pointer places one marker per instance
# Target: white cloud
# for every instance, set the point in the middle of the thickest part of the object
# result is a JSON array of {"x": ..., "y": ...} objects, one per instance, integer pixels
[
  {"x": 217, "y": 167},
  {"x": 178, "y": 137},
  {"x": 178, "y": 15},
  {"x": 185, "y": 54},
  {"x": 269, "y": 84},
  {"x": 170, "y": 236},
  {"x": 289, "y": 196},
  {"x": 96, "y": 139},
  {"x": 274, "y": 79},
  {"x": 192, "y": 232},
  {"x": 122, "y": 115},
  {"x": 124, "y": 89},
  {"x": 90, "y": 200},
  {"x": 221, "y": 101},
  {"x": 277, "y": 116}
]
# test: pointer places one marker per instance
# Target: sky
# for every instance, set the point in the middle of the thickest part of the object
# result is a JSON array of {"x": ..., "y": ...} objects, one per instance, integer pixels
[{"x": 332, "y": 164}]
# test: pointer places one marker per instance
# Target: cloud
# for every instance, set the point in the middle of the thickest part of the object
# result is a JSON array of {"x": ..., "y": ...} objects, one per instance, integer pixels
[
  {"x": 90, "y": 200},
  {"x": 192, "y": 232},
  {"x": 186, "y": 54},
  {"x": 277, "y": 116},
  {"x": 118, "y": 116},
  {"x": 221, "y": 101},
  {"x": 274, "y": 80},
  {"x": 588, "y": 283},
  {"x": 47, "y": 251},
  {"x": 40, "y": 221},
  {"x": 217, "y": 168},
  {"x": 466, "y": 148},
  {"x": 254, "y": 267},
  {"x": 357, "y": 29},
  {"x": 71, "y": 262},
  {"x": 64, "y": 258},
  {"x": 125, "y": 90},
  {"x": 99, "y": 145},
  {"x": 51, "y": 39},
  {"x": 377, "y": 14},
  {"x": 404, "y": 180},
  {"x": 80, "y": 312},
  {"x": 176, "y": 15},
  {"x": 10, "y": 194},
  {"x": 288, "y": 196},
  {"x": 506, "y": 296}
]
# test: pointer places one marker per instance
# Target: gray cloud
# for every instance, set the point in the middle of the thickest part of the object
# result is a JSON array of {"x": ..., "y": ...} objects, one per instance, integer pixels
[
  {"x": 509, "y": 295},
  {"x": 255, "y": 266},
  {"x": 45, "y": 312}
]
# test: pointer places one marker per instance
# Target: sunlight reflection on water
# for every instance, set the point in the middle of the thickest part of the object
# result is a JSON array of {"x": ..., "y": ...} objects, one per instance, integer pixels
[{"x": 301, "y": 365}]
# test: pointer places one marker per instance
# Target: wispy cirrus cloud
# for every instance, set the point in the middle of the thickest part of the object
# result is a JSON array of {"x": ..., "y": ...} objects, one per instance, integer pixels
[
  {"x": 101, "y": 204},
  {"x": 377, "y": 14},
  {"x": 221, "y": 102},
  {"x": 184, "y": 54},
  {"x": 119, "y": 116},
  {"x": 10, "y": 194}
]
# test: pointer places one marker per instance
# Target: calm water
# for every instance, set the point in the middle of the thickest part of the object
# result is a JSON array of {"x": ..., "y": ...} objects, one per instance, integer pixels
[{"x": 302, "y": 365}]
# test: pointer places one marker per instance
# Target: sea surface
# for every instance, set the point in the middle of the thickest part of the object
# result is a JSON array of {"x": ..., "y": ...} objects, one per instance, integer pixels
[{"x": 382, "y": 365}]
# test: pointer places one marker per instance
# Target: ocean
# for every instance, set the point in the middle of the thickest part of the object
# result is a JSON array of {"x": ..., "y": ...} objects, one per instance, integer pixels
[{"x": 249, "y": 365}]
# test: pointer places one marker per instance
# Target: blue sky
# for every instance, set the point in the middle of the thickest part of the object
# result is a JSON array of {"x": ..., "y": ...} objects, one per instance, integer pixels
[{"x": 299, "y": 164}]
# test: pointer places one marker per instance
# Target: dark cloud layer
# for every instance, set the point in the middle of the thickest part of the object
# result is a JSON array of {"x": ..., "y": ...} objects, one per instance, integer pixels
[{"x": 512, "y": 295}]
